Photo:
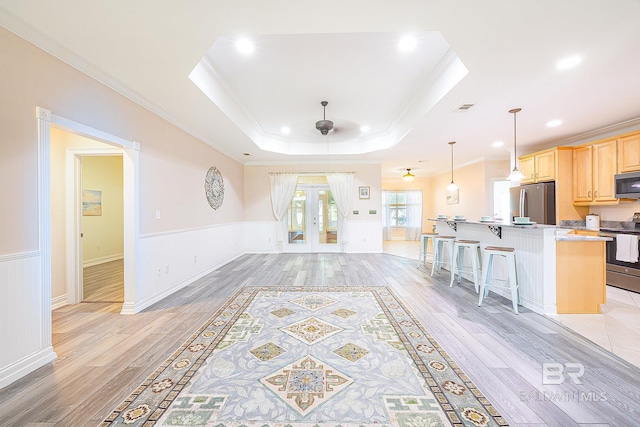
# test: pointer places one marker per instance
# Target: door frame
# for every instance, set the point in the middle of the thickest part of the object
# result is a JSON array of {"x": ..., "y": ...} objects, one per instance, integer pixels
[
  {"x": 73, "y": 217},
  {"x": 315, "y": 246},
  {"x": 131, "y": 196}
]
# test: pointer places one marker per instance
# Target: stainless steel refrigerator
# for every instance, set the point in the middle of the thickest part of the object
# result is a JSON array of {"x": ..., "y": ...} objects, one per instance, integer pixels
[{"x": 537, "y": 201}]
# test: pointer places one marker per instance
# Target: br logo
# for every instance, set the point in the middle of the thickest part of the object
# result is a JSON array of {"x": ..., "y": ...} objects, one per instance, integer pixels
[{"x": 554, "y": 373}]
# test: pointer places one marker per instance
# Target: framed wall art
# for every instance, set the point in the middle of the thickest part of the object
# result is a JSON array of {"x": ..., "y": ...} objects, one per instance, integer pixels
[{"x": 363, "y": 192}]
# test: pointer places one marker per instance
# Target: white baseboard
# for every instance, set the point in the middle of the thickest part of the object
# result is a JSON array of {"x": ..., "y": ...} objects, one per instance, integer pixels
[
  {"x": 58, "y": 302},
  {"x": 133, "y": 308},
  {"x": 102, "y": 260},
  {"x": 22, "y": 367}
]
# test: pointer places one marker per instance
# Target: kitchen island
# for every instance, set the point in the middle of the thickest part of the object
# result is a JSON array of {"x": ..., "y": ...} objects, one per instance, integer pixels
[{"x": 542, "y": 276}]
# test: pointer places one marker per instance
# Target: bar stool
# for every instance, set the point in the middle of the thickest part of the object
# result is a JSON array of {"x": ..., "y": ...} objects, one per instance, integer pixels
[
  {"x": 487, "y": 263},
  {"x": 424, "y": 244},
  {"x": 458, "y": 260},
  {"x": 438, "y": 251}
]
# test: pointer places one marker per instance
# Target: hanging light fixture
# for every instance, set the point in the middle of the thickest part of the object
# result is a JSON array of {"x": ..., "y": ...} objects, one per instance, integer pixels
[
  {"x": 324, "y": 125},
  {"x": 453, "y": 186},
  {"x": 515, "y": 176},
  {"x": 408, "y": 176}
]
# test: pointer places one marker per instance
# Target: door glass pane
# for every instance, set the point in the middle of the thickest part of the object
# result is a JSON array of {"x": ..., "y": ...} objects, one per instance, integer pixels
[
  {"x": 297, "y": 218},
  {"x": 327, "y": 218}
]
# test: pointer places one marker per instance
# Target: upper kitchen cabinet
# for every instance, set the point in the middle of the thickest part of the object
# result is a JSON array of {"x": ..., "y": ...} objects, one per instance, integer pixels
[
  {"x": 629, "y": 153},
  {"x": 539, "y": 167},
  {"x": 594, "y": 169}
]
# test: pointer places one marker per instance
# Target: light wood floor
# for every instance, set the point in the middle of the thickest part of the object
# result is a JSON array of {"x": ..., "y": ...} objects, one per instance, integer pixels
[
  {"x": 103, "y": 356},
  {"x": 104, "y": 282}
]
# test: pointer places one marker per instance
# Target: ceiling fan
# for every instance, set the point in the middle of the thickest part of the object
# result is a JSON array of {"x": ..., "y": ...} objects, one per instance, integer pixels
[{"x": 324, "y": 125}]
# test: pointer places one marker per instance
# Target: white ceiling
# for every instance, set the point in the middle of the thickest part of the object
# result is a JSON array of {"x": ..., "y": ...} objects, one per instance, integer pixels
[{"x": 502, "y": 55}]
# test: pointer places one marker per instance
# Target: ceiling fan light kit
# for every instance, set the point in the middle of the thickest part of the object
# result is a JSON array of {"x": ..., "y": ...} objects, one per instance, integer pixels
[
  {"x": 408, "y": 176},
  {"x": 324, "y": 125}
]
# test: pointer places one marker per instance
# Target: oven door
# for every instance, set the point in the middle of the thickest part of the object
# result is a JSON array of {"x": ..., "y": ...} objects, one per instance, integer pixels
[{"x": 621, "y": 274}]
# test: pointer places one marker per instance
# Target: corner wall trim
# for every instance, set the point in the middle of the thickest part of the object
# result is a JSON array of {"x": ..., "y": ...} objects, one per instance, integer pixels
[{"x": 58, "y": 302}]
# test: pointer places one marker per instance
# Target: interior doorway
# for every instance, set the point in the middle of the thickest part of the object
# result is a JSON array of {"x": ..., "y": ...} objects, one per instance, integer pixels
[
  {"x": 312, "y": 223},
  {"x": 102, "y": 249}
]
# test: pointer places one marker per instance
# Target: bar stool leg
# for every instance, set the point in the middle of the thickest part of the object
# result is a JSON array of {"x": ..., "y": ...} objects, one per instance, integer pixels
[
  {"x": 436, "y": 256},
  {"x": 486, "y": 274},
  {"x": 475, "y": 267},
  {"x": 457, "y": 261}
]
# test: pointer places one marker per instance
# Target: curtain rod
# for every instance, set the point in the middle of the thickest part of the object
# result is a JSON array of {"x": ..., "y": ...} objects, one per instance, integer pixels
[{"x": 313, "y": 173}]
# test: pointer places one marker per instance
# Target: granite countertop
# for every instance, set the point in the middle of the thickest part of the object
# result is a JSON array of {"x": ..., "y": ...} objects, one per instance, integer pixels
[
  {"x": 562, "y": 232},
  {"x": 502, "y": 223}
]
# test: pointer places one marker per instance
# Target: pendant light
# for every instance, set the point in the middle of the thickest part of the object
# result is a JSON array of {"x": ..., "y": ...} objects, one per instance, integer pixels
[
  {"x": 515, "y": 176},
  {"x": 453, "y": 186},
  {"x": 408, "y": 176}
]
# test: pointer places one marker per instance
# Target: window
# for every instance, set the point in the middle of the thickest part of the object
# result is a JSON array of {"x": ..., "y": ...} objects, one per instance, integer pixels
[{"x": 397, "y": 209}]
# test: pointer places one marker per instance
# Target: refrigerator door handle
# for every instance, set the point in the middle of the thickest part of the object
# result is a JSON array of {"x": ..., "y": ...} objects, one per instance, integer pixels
[{"x": 521, "y": 212}]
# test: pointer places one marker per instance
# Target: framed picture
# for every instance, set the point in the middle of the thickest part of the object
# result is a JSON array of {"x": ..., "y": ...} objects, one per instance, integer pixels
[
  {"x": 91, "y": 203},
  {"x": 363, "y": 192},
  {"x": 453, "y": 196}
]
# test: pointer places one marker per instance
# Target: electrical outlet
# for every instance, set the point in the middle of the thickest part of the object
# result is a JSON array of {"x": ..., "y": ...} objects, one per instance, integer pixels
[
  {"x": 159, "y": 272},
  {"x": 195, "y": 259},
  {"x": 166, "y": 269}
]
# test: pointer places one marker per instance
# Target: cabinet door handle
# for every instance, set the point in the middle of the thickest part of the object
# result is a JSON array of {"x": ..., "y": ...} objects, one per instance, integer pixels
[
  {"x": 595, "y": 193},
  {"x": 589, "y": 193}
]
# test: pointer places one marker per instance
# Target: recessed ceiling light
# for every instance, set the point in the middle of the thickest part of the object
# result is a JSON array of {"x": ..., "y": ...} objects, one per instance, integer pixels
[
  {"x": 554, "y": 123},
  {"x": 568, "y": 62},
  {"x": 365, "y": 128},
  {"x": 244, "y": 46},
  {"x": 407, "y": 43},
  {"x": 285, "y": 130},
  {"x": 497, "y": 144}
]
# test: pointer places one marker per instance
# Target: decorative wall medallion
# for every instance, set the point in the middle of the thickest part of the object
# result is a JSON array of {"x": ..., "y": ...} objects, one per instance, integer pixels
[{"x": 214, "y": 187}]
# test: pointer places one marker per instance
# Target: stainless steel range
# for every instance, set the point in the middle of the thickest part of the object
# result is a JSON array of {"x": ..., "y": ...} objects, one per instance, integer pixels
[{"x": 622, "y": 274}]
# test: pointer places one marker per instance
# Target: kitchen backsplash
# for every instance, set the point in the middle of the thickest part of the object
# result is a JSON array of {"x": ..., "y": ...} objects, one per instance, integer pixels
[{"x": 622, "y": 212}]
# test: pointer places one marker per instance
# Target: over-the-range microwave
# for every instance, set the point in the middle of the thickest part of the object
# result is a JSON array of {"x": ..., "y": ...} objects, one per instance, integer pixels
[{"x": 628, "y": 185}]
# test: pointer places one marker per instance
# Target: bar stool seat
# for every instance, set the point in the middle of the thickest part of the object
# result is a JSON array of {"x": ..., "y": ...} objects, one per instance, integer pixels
[
  {"x": 438, "y": 251},
  {"x": 424, "y": 245},
  {"x": 488, "y": 253},
  {"x": 458, "y": 260}
]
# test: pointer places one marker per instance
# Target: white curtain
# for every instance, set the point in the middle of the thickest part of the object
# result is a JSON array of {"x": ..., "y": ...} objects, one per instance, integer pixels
[
  {"x": 283, "y": 187},
  {"x": 386, "y": 216},
  {"x": 341, "y": 185},
  {"x": 413, "y": 228}
]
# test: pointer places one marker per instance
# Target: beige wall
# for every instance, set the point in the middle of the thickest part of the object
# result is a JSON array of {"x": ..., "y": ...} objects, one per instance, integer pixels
[
  {"x": 475, "y": 182},
  {"x": 173, "y": 164},
  {"x": 103, "y": 235},
  {"x": 258, "y": 189}
]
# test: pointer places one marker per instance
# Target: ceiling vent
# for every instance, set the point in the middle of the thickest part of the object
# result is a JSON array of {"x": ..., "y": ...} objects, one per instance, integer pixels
[{"x": 464, "y": 107}]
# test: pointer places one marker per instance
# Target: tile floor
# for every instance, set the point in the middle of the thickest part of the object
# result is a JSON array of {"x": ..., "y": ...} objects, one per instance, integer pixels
[{"x": 616, "y": 329}]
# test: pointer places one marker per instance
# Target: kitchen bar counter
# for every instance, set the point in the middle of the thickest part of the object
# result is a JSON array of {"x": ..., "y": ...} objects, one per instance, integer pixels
[{"x": 536, "y": 256}]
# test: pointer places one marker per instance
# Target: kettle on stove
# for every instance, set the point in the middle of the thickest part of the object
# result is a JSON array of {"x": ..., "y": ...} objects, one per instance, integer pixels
[{"x": 593, "y": 222}]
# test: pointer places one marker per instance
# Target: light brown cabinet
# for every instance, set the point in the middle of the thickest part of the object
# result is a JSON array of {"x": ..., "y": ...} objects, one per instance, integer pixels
[
  {"x": 538, "y": 167},
  {"x": 629, "y": 153},
  {"x": 594, "y": 169}
]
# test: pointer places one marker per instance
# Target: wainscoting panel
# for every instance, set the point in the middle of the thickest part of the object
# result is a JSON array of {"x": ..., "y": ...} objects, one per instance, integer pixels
[
  {"x": 170, "y": 261},
  {"x": 535, "y": 248},
  {"x": 24, "y": 348},
  {"x": 364, "y": 237}
]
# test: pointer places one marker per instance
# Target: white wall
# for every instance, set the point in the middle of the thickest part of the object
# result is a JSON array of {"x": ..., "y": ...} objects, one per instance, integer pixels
[{"x": 364, "y": 229}]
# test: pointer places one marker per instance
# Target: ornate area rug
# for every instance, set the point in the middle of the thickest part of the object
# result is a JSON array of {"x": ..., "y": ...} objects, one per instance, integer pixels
[{"x": 305, "y": 357}]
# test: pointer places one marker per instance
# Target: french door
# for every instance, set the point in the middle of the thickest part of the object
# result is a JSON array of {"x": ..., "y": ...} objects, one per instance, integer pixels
[{"x": 312, "y": 223}]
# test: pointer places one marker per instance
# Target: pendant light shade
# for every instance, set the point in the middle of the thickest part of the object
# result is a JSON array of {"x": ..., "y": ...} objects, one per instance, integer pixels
[
  {"x": 408, "y": 176},
  {"x": 515, "y": 176},
  {"x": 453, "y": 186}
]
